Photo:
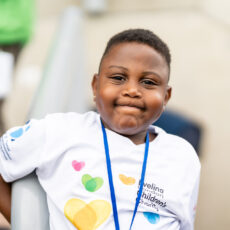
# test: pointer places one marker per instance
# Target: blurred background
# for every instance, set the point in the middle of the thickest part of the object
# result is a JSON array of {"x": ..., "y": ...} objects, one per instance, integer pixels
[{"x": 198, "y": 34}]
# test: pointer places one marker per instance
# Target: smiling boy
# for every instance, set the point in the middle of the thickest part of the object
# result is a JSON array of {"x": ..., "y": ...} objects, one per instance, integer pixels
[
  {"x": 118, "y": 171},
  {"x": 131, "y": 89}
]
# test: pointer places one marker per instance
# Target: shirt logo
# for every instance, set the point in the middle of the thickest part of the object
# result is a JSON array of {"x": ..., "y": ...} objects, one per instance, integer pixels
[{"x": 153, "y": 196}]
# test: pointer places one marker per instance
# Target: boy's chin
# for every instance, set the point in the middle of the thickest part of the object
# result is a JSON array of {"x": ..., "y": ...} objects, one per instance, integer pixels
[{"x": 128, "y": 126}]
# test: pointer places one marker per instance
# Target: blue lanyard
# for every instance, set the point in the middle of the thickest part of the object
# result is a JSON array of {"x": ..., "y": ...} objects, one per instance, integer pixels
[{"x": 109, "y": 170}]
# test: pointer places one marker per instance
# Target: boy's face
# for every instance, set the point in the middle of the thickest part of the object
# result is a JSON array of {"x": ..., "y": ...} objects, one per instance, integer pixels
[{"x": 131, "y": 89}]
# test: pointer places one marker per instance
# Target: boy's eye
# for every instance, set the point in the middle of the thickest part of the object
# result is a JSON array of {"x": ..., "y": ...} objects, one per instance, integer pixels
[
  {"x": 148, "y": 82},
  {"x": 117, "y": 78}
]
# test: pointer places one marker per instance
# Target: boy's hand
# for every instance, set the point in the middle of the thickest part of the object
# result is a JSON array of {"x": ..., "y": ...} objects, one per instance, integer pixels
[{"x": 5, "y": 199}]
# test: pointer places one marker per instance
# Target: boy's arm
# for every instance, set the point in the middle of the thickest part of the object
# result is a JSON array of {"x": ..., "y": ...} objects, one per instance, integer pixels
[{"x": 5, "y": 199}]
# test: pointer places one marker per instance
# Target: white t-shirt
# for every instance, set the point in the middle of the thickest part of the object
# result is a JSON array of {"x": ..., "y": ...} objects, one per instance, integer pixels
[{"x": 67, "y": 152}]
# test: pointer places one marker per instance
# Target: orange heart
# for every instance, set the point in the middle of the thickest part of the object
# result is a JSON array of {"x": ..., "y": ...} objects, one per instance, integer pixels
[
  {"x": 127, "y": 180},
  {"x": 87, "y": 216}
]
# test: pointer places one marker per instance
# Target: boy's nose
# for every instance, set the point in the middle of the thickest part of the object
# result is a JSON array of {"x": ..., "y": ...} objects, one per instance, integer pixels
[{"x": 131, "y": 90}]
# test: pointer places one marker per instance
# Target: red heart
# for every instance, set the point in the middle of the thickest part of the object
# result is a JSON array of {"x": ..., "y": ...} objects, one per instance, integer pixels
[{"x": 78, "y": 165}]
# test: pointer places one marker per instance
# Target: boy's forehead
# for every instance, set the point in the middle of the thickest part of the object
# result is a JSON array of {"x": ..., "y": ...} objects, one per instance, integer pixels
[{"x": 127, "y": 46}]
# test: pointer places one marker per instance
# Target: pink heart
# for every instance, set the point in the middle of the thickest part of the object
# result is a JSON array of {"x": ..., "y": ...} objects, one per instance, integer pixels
[{"x": 78, "y": 165}]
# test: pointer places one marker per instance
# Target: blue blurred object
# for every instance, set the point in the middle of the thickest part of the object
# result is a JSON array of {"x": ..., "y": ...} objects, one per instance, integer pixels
[{"x": 175, "y": 123}]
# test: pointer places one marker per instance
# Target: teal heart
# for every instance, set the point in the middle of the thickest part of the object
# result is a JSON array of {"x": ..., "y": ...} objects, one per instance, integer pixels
[
  {"x": 91, "y": 184},
  {"x": 152, "y": 218}
]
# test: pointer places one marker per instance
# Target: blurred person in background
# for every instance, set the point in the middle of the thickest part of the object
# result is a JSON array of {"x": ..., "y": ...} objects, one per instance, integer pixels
[{"x": 16, "y": 23}]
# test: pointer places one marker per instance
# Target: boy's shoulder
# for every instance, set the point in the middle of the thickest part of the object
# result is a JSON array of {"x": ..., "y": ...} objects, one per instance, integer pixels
[
  {"x": 88, "y": 117},
  {"x": 176, "y": 145},
  {"x": 172, "y": 139},
  {"x": 70, "y": 122}
]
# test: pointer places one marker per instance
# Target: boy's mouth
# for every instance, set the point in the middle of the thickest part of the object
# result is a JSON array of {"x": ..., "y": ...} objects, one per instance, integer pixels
[{"x": 132, "y": 104}]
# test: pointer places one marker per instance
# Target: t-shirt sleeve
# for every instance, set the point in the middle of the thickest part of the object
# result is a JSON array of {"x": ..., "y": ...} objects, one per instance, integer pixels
[{"x": 21, "y": 149}]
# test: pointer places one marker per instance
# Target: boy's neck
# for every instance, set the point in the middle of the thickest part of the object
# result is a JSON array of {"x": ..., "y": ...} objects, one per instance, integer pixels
[{"x": 140, "y": 138}]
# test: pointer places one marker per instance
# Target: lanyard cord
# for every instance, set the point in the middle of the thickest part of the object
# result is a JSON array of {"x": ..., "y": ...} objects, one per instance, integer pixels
[{"x": 109, "y": 170}]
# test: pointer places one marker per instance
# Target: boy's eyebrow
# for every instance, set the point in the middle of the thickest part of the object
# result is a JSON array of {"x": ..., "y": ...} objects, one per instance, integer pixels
[
  {"x": 151, "y": 72},
  {"x": 145, "y": 73},
  {"x": 117, "y": 66}
]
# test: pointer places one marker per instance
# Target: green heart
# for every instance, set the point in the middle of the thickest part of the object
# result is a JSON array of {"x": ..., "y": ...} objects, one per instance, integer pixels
[{"x": 91, "y": 184}]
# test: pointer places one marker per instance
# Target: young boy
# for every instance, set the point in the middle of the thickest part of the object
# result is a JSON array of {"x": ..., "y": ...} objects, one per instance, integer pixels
[{"x": 112, "y": 170}]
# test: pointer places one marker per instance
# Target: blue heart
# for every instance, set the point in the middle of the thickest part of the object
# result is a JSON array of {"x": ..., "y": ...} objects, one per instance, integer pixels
[
  {"x": 152, "y": 218},
  {"x": 17, "y": 133}
]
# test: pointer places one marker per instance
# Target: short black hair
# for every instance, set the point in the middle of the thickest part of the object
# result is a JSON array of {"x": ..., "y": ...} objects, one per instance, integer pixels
[{"x": 142, "y": 36}]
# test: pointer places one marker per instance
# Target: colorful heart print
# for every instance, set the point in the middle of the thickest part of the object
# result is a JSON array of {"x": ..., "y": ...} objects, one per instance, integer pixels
[
  {"x": 91, "y": 184},
  {"x": 78, "y": 166},
  {"x": 152, "y": 218},
  {"x": 127, "y": 180},
  {"x": 87, "y": 216}
]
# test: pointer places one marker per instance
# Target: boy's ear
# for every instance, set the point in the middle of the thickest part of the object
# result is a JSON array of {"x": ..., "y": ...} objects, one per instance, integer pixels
[
  {"x": 167, "y": 94},
  {"x": 94, "y": 84}
]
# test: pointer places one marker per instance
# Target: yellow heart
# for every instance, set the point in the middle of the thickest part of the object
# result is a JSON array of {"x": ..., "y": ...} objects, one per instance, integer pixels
[
  {"x": 87, "y": 216},
  {"x": 127, "y": 180}
]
